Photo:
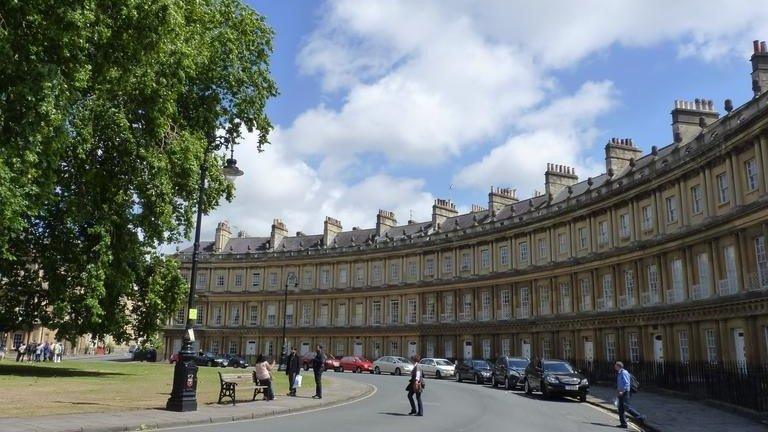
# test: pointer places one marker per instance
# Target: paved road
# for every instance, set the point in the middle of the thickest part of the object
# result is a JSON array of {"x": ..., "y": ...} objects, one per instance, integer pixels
[{"x": 449, "y": 406}]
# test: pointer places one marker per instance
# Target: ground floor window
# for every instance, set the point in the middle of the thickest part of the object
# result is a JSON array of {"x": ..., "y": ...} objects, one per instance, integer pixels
[
  {"x": 233, "y": 347},
  {"x": 17, "y": 338},
  {"x": 711, "y": 344},
  {"x": 215, "y": 346},
  {"x": 448, "y": 349}
]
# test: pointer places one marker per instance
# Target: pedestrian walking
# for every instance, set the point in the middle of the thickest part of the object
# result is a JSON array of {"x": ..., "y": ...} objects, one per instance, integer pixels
[
  {"x": 624, "y": 392},
  {"x": 416, "y": 387},
  {"x": 2, "y": 352},
  {"x": 31, "y": 348},
  {"x": 292, "y": 370},
  {"x": 263, "y": 374},
  {"x": 21, "y": 350},
  {"x": 317, "y": 366},
  {"x": 38, "y": 352},
  {"x": 57, "y": 350},
  {"x": 46, "y": 351}
]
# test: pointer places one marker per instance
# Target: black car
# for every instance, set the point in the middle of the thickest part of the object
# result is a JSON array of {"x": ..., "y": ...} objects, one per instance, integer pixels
[
  {"x": 144, "y": 354},
  {"x": 509, "y": 371},
  {"x": 235, "y": 361},
  {"x": 210, "y": 359},
  {"x": 478, "y": 371},
  {"x": 555, "y": 377}
]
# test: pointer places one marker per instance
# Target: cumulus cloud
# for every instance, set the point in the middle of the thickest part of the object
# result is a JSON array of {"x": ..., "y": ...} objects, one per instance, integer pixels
[{"x": 418, "y": 83}]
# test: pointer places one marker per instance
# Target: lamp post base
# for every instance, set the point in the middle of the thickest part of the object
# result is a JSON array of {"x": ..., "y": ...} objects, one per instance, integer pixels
[{"x": 184, "y": 393}]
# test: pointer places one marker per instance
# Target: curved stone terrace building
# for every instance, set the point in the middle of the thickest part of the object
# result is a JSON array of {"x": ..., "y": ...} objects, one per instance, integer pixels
[{"x": 662, "y": 257}]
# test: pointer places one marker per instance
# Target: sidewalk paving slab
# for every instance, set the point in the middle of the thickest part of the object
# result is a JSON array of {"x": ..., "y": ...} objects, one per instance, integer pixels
[
  {"x": 336, "y": 391},
  {"x": 671, "y": 414}
]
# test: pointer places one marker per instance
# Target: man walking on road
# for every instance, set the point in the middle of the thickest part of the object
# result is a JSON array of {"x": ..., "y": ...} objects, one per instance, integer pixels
[
  {"x": 292, "y": 369},
  {"x": 623, "y": 388},
  {"x": 317, "y": 366},
  {"x": 415, "y": 387}
]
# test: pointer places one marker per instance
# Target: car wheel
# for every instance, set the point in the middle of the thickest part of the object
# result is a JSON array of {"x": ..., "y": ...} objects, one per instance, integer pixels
[
  {"x": 377, "y": 370},
  {"x": 528, "y": 389},
  {"x": 583, "y": 397},
  {"x": 397, "y": 371},
  {"x": 358, "y": 370},
  {"x": 544, "y": 390},
  {"x": 437, "y": 375}
]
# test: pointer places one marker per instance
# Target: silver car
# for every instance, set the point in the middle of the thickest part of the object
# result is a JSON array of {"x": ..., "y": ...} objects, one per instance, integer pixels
[
  {"x": 393, "y": 365},
  {"x": 437, "y": 367}
]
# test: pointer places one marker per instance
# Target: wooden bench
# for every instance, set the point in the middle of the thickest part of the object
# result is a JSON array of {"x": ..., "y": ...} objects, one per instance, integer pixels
[{"x": 244, "y": 381}]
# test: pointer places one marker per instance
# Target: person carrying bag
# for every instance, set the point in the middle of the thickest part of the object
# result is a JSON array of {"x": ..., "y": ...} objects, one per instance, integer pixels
[{"x": 416, "y": 387}]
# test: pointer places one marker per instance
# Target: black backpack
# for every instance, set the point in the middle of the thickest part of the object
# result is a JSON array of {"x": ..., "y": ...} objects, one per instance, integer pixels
[{"x": 634, "y": 384}]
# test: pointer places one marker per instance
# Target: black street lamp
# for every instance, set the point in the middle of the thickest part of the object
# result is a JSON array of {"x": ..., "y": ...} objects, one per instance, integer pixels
[
  {"x": 184, "y": 391},
  {"x": 290, "y": 281}
]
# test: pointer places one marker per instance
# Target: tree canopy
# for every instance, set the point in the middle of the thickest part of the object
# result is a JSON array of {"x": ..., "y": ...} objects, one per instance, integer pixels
[{"x": 106, "y": 111}]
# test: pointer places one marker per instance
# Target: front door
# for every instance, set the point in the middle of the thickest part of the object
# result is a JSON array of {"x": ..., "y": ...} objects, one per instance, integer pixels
[
  {"x": 358, "y": 349},
  {"x": 411, "y": 349},
  {"x": 526, "y": 349},
  {"x": 304, "y": 348},
  {"x": 738, "y": 347},
  {"x": 658, "y": 348},
  {"x": 250, "y": 348},
  {"x": 589, "y": 350},
  {"x": 468, "y": 349}
]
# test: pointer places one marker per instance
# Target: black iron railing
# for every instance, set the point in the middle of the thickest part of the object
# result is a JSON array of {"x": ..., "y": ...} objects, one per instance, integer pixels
[{"x": 737, "y": 383}]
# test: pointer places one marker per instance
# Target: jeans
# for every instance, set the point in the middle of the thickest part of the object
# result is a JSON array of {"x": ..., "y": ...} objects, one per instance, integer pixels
[
  {"x": 413, "y": 405},
  {"x": 268, "y": 394},
  {"x": 625, "y": 406}
]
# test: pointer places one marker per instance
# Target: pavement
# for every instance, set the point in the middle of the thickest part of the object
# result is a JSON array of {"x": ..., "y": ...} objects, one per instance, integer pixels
[
  {"x": 335, "y": 391},
  {"x": 671, "y": 414}
]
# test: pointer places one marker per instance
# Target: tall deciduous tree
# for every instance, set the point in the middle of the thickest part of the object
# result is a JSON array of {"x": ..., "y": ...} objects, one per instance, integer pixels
[{"x": 106, "y": 110}]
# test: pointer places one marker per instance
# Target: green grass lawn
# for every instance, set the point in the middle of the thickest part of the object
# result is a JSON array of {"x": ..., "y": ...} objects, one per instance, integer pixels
[{"x": 32, "y": 389}]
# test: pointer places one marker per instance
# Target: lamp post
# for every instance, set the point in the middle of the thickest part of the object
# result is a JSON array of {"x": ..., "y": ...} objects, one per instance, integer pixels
[
  {"x": 184, "y": 392},
  {"x": 290, "y": 281}
]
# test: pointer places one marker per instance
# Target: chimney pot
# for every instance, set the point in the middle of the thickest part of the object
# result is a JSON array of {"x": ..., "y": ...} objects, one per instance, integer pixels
[
  {"x": 728, "y": 105},
  {"x": 763, "y": 48},
  {"x": 756, "y": 46}
]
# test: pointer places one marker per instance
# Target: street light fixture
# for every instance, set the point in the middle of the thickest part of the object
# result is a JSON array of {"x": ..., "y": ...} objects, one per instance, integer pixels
[
  {"x": 184, "y": 392},
  {"x": 289, "y": 281}
]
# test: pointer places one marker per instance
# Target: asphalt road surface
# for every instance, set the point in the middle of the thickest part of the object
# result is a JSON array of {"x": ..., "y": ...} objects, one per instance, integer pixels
[{"x": 448, "y": 406}]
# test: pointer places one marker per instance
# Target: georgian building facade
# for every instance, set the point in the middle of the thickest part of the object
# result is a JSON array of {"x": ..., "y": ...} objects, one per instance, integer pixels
[{"x": 662, "y": 257}]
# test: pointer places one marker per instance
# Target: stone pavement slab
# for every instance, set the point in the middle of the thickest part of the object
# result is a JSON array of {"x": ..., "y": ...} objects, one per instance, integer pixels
[
  {"x": 671, "y": 414},
  {"x": 335, "y": 391}
]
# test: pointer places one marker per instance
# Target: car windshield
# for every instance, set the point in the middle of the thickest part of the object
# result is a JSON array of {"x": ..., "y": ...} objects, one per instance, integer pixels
[
  {"x": 517, "y": 363},
  {"x": 443, "y": 363},
  {"x": 559, "y": 367},
  {"x": 401, "y": 360},
  {"x": 481, "y": 364}
]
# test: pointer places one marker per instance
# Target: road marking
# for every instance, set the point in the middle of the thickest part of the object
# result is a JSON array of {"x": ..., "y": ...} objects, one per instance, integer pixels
[
  {"x": 375, "y": 389},
  {"x": 613, "y": 414}
]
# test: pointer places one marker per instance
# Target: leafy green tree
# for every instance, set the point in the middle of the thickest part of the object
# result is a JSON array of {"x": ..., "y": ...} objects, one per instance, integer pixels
[{"x": 107, "y": 111}]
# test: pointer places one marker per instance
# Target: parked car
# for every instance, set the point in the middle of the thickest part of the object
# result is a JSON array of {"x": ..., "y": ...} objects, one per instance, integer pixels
[
  {"x": 393, "y": 365},
  {"x": 145, "y": 354},
  {"x": 476, "y": 370},
  {"x": 235, "y": 361},
  {"x": 437, "y": 367},
  {"x": 331, "y": 362},
  {"x": 210, "y": 359},
  {"x": 509, "y": 372},
  {"x": 555, "y": 377},
  {"x": 356, "y": 364}
]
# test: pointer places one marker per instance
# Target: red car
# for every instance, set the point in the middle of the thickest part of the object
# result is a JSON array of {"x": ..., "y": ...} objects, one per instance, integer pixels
[
  {"x": 331, "y": 362},
  {"x": 356, "y": 364}
]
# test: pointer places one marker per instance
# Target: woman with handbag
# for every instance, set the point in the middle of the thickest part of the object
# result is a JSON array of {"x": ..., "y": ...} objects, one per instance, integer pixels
[
  {"x": 416, "y": 387},
  {"x": 262, "y": 369}
]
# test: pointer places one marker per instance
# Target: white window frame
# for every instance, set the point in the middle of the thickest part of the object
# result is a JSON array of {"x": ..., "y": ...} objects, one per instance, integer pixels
[
  {"x": 602, "y": 229},
  {"x": 585, "y": 295},
  {"x": 376, "y": 312},
  {"x": 583, "y": 238},
  {"x": 682, "y": 338},
  {"x": 485, "y": 259},
  {"x": 624, "y": 229},
  {"x": 429, "y": 269},
  {"x": 412, "y": 269},
  {"x": 376, "y": 273},
  {"x": 647, "y": 212},
  {"x": 710, "y": 342},
  {"x": 750, "y": 171},
  {"x": 394, "y": 311},
  {"x": 634, "y": 348},
  {"x": 762, "y": 262},
  {"x": 394, "y": 272},
  {"x": 610, "y": 347},
  {"x": 465, "y": 261},
  {"x": 542, "y": 248},
  {"x": 723, "y": 196},
  {"x": 504, "y": 255},
  {"x": 234, "y": 318},
  {"x": 220, "y": 280},
  {"x": 562, "y": 243},
  {"x": 411, "y": 311},
  {"x": 696, "y": 200},
  {"x": 253, "y": 315},
  {"x": 238, "y": 280},
  {"x": 523, "y": 252},
  {"x": 671, "y": 204},
  {"x": 448, "y": 263},
  {"x": 343, "y": 275}
]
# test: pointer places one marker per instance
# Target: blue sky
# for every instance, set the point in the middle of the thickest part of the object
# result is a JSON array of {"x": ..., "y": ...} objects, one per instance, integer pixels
[{"x": 386, "y": 104}]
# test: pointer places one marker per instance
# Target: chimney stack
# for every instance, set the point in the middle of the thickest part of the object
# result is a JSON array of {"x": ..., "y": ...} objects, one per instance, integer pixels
[
  {"x": 618, "y": 153},
  {"x": 384, "y": 221},
  {"x": 688, "y": 118},
  {"x": 498, "y": 198},
  {"x": 442, "y": 210},
  {"x": 557, "y": 177},
  {"x": 331, "y": 228},
  {"x": 477, "y": 208},
  {"x": 279, "y": 231},
  {"x": 759, "y": 68},
  {"x": 223, "y": 234}
]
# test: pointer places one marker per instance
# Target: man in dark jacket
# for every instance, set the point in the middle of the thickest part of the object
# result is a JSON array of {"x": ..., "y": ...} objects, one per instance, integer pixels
[
  {"x": 292, "y": 369},
  {"x": 317, "y": 366}
]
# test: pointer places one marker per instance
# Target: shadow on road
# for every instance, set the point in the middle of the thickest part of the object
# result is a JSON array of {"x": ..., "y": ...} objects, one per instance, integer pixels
[
  {"x": 612, "y": 426},
  {"x": 552, "y": 399},
  {"x": 394, "y": 414}
]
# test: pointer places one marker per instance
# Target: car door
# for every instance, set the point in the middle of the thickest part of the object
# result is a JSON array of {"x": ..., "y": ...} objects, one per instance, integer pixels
[
  {"x": 386, "y": 364},
  {"x": 500, "y": 370},
  {"x": 430, "y": 367}
]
